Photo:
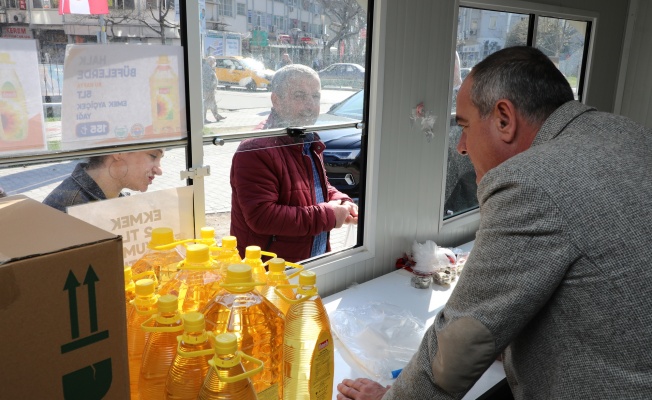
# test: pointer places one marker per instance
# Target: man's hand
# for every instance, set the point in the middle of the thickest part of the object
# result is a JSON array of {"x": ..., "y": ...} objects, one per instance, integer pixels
[
  {"x": 342, "y": 213},
  {"x": 361, "y": 389},
  {"x": 352, "y": 214}
]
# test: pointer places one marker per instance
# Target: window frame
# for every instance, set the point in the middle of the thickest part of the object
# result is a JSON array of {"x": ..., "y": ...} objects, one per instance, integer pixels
[{"x": 471, "y": 219}]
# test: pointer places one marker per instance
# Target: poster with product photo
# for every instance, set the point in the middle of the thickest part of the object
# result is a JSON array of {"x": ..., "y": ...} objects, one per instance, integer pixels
[
  {"x": 115, "y": 94},
  {"x": 22, "y": 126}
]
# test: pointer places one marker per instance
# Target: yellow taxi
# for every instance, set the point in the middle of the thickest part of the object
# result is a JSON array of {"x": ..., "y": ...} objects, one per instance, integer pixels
[{"x": 241, "y": 71}]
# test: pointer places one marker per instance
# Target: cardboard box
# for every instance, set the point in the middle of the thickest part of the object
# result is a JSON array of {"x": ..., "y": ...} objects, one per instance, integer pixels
[{"x": 63, "y": 330}]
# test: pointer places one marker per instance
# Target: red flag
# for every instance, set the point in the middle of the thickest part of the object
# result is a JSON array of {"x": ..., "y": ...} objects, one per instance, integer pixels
[{"x": 83, "y": 7}]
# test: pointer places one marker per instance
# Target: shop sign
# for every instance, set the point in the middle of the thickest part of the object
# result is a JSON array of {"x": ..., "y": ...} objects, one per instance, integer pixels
[
  {"x": 22, "y": 4},
  {"x": 16, "y": 32},
  {"x": 259, "y": 38}
]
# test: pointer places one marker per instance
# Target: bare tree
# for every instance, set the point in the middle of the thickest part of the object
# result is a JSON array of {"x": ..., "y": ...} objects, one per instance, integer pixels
[
  {"x": 154, "y": 16},
  {"x": 158, "y": 10},
  {"x": 346, "y": 19}
]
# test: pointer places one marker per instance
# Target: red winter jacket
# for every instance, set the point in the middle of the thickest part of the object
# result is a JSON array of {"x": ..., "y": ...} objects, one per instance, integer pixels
[{"x": 273, "y": 197}]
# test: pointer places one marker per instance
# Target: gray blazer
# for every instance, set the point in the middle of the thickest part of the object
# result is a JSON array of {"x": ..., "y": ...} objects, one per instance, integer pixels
[{"x": 560, "y": 276}]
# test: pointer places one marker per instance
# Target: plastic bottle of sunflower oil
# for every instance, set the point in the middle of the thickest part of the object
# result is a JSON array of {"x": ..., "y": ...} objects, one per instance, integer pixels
[
  {"x": 160, "y": 348},
  {"x": 227, "y": 379},
  {"x": 164, "y": 95},
  {"x": 161, "y": 257},
  {"x": 228, "y": 253},
  {"x": 308, "y": 348},
  {"x": 253, "y": 258},
  {"x": 276, "y": 276},
  {"x": 130, "y": 288},
  {"x": 257, "y": 323},
  {"x": 142, "y": 307},
  {"x": 190, "y": 364},
  {"x": 196, "y": 282}
]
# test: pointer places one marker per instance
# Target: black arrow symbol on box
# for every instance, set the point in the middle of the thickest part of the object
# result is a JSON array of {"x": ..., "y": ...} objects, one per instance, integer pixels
[
  {"x": 90, "y": 280},
  {"x": 71, "y": 286}
]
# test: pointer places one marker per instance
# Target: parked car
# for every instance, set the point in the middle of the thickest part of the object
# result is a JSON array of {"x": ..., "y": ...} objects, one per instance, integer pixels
[
  {"x": 241, "y": 71},
  {"x": 342, "y": 154},
  {"x": 342, "y": 74}
]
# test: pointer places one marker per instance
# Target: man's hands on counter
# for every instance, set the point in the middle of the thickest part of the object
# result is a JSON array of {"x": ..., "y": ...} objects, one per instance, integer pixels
[
  {"x": 346, "y": 212},
  {"x": 361, "y": 389}
]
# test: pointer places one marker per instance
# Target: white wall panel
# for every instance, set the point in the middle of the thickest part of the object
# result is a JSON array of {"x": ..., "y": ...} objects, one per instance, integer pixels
[
  {"x": 417, "y": 59},
  {"x": 637, "y": 89}
]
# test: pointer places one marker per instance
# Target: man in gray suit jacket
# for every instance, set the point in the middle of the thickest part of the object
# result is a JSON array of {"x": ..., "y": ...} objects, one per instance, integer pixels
[{"x": 559, "y": 281}]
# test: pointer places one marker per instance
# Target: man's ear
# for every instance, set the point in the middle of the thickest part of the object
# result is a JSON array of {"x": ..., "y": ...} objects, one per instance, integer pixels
[
  {"x": 505, "y": 118},
  {"x": 275, "y": 101}
]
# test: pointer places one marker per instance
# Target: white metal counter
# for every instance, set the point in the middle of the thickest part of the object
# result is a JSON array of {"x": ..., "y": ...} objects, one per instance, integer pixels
[{"x": 395, "y": 288}]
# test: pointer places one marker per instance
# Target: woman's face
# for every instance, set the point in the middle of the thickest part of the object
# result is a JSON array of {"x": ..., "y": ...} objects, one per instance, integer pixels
[{"x": 140, "y": 169}]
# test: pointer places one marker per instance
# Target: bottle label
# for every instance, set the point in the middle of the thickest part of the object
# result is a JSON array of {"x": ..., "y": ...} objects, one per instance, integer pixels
[{"x": 323, "y": 365}]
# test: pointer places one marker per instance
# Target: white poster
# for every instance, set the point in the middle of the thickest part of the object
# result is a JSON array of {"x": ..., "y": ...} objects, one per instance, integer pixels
[
  {"x": 122, "y": 93},
  {"x": 232, "y": 45},
  {"x": 22, "y": 127},
  {"x": 213, "y": 45},
  {"x": 202, "y": 17},
  {"x": 134, "y": 217}
]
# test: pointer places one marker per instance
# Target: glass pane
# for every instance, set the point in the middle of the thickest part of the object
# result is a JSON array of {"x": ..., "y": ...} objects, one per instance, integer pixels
[
  {"x": 563, "y": 41},
  {"x": 93, "y": 60},
  {"x": 246, "y": 62},
  {"x": 218, "y": 197},
  {"x": 129, "y": 173},
  {"x": 479, "y": 34},
  {"x": 108, "y": 100}
]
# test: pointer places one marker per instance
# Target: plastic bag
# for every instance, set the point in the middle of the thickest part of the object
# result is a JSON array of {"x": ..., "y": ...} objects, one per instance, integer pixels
[
  {"x": 381, "y": 337},
  {"x": 431, "y": 258}
]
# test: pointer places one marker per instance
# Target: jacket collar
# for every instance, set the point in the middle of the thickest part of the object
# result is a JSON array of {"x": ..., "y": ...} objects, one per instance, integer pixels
[{"x": 559, "y": 119}]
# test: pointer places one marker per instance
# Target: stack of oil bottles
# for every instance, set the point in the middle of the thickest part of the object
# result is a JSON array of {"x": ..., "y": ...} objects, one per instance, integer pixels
[{"x": 202, "y": 323}]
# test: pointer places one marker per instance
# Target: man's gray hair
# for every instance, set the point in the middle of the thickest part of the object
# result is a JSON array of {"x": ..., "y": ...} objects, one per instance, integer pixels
[
  {"x": 523, "y": 75},
  {"x": 284, "y": 77}
]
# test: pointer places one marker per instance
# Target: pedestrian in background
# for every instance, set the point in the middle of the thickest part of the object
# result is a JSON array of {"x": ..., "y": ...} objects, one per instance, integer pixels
[
  {"x": 209, "y": 86},
  {"x": 281, "y": 198}
]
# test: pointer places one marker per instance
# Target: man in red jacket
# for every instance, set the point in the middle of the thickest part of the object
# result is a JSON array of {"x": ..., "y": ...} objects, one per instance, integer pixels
[{"x": 281, "y": 198}]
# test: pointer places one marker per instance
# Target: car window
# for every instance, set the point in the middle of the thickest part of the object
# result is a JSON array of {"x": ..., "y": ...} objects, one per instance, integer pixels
[{"x": 352, "y": 107}]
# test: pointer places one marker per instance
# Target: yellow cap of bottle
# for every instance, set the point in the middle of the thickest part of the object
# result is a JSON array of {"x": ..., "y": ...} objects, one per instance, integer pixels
[
  {"x": 168, "y": 303},
  {"x": 276, "y": 265},
  {"x": 160, "y": 237},
  {"x": 307, "y": 278},
  {"x": 198, "y": 255},
  {"x": 207, "y": 233},
  {"x": 229, "y": 242},
  {"x": 193, "y": 322},
  {"x": 145, "y": 287},
  {"x": 129, "y": 275},
  {"x": 252, "y": 251},
  {"x": 225, "y": 343},
  {"x": 239, "y": 273}
]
